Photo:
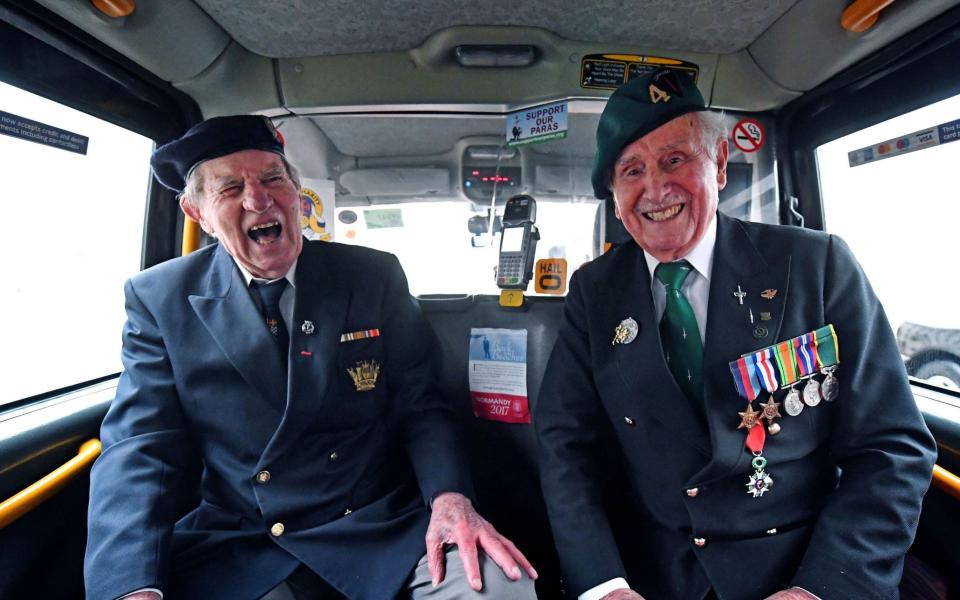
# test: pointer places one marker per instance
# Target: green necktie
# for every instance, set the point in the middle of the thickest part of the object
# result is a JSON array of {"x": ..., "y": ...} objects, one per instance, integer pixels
[{"x": 679, "y": 332}]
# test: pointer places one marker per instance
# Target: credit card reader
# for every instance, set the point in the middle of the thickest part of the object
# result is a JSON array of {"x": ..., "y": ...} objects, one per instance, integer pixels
[{"x": 518, "y": 243}]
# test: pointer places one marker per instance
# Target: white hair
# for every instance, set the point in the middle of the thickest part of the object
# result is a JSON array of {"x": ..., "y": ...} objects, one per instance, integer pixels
[{"x": 193, "y": 183}]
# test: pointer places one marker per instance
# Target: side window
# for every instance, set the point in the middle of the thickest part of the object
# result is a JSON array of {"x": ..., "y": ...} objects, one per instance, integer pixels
[
  {"x": 890, "y": 191},
  {"x": 74, "y": 190}
]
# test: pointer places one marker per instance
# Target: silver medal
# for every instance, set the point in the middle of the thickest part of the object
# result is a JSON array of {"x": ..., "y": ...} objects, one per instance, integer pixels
[
  {"x": 831, "y": 386},
  {"x": 811, "y": 392},
  {"x": 792, "y": 403}
]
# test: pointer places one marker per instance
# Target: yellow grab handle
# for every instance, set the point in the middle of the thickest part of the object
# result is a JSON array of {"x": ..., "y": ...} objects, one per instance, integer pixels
[
  {"x": 26, "y": 500},
  {"x": 191, "y": 236},
  {"x": 946, "y": 481}
]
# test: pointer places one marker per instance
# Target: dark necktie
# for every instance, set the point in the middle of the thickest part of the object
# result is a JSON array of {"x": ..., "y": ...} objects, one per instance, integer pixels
[
  {"x": 679, "y": 332},
  {"x": 270, "y": 306}
]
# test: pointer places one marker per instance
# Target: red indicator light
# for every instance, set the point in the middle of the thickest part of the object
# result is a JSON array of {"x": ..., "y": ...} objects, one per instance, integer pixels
[
  {"x": 486, "y": 179},
  {"x": 475, "y": 173}
]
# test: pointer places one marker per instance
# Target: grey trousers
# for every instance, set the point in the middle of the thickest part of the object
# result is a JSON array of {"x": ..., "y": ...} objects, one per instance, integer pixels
[{"x": 496, "y": 585}]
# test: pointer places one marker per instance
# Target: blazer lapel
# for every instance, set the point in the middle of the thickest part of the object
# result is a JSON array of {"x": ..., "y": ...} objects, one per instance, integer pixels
[
  {"x": 641, "y": 362},
  {"x": 322, "y": 300},
  {"x": 737, "y": 265},
  {"x": 230, "y": 315}
]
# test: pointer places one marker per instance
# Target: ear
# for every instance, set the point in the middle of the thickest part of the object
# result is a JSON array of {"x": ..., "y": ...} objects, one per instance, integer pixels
[
  {"x": 723, "y": 153},
  {"x": 193, "y": 212},
  {"x": 616, "y": 207}
]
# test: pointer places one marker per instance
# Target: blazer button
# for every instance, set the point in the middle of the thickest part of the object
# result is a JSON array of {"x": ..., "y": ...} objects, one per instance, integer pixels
[
  {"x": 263, "y": 476},
  {"x": 277, "y": 529},
  {"x": 699, "y": 542},
  {"x": 629, "y": 421},
  {"x": 334, "y": 456},
  {"x": 692, "y": 492}
]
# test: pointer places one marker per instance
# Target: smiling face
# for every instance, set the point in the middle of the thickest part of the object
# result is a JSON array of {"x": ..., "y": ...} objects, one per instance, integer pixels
[
  {"x": 666, "y": 187},
  {"x": 251, "y": 205}
]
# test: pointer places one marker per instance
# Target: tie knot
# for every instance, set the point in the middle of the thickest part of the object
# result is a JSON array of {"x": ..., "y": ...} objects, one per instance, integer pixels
[
  {"x": 672, "y": 275},
  {"x": 270, "y": 294}
]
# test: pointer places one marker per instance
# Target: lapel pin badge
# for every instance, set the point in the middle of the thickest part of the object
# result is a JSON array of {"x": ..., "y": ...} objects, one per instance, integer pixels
[
  {"x": 768, "y": 294},
  {"x": 740, "y": 295},
  {"x": 625, "y": 332},
  {"x": 307, "y": 328},
  {"x": 765, "y": 316}
]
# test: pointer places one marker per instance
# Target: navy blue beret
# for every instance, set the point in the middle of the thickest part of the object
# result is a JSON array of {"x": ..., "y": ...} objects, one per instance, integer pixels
[
  {"x": 635, "y": 109},
  {"x": 212, "y": 138}
]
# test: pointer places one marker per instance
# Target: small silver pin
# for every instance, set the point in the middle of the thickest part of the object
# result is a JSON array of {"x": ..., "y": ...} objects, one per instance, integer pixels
[
  {"x": 740, "y": 294},
  {"x": 684, "y": 333},
  {"x": 307, "y": 328},
  {"x": 751, "y": 316}
]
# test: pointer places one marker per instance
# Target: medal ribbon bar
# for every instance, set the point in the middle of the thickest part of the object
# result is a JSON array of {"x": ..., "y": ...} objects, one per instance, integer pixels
[{"x": 359, "y": 335}]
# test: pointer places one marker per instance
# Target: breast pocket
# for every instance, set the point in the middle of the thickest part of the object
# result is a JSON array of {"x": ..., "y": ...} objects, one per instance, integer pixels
[{"x": 361, "y": 380}]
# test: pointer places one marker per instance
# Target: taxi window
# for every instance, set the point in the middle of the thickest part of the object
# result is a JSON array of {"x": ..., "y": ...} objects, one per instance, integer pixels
[
  {"x": 889, "y": 192},
  {"x": 74, "y": 189},
  {"x": 430, "y": 230}
]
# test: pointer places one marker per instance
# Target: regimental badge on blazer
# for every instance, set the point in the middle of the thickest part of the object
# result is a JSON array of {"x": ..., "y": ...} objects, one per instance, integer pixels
[{"x": 365, "y": 375}]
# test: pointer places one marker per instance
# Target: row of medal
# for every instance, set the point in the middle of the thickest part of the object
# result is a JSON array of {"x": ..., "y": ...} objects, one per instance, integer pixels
[{"x": 783, "y": 366}]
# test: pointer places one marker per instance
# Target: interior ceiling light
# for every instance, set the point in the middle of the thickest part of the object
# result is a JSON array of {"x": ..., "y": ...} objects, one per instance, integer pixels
[
  {"x": 115, "y": 9},
  {"x": 862, "y": 14},
  {"x": 513, "y": 55},
  {"x": 491, "y": 152}
]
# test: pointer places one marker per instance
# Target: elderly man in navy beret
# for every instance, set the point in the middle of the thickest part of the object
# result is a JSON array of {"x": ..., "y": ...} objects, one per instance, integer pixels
[
  {"x": 661, "y": 476},
  {"x": 298, "y": 377}
]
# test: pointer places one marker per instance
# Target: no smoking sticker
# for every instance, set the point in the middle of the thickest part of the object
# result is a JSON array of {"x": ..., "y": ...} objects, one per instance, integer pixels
[{"x": 748, "y": 135}]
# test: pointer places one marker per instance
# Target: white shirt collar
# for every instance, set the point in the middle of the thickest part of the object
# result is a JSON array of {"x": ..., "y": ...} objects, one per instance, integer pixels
[
  {"x": 248, "y": 277},
  {"x": 701, "y": 257}
]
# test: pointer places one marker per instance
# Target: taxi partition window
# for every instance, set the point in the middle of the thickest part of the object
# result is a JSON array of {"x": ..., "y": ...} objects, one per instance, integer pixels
[
  {"x": 75, "y": 190},
  {"x": 888, "y": 191},
  {"x": 425, "y": 187}
]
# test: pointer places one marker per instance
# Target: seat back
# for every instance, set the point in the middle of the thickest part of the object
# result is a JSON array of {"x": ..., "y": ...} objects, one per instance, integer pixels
[{"x": 503, "y": 456}]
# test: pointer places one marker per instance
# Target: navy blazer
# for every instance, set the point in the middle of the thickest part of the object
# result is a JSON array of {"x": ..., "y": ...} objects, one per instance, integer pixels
[
  {"x": 350, "y": 472},
  {"x": 849, "y": 476}
]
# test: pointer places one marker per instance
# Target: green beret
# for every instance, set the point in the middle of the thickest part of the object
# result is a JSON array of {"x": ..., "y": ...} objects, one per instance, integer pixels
[
  {"x": 213, "y": 138},
  {"x": 635, "y": 109}
]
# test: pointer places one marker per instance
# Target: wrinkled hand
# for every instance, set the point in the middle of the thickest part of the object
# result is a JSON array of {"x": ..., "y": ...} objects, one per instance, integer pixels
[
  {"x": 622, "y": 594},
  {"x": 454, "y": 521},
  {"x": 141, "y": 596},
  {"x": 793, "y": 594}
]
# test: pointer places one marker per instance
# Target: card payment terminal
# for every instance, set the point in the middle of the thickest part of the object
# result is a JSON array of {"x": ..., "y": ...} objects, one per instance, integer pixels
[{"x": 518, "y": 243}]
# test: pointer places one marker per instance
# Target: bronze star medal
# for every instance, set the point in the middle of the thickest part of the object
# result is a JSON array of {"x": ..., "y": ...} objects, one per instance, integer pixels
[
  {"x": 771, "y": 411},
  {"x": 748, "y": 418}
]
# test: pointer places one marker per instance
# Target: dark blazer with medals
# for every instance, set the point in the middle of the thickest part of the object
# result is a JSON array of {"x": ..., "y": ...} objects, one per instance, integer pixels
[
  {"x": 350, "y": 472},
  {"x": 849, "y": 475}
]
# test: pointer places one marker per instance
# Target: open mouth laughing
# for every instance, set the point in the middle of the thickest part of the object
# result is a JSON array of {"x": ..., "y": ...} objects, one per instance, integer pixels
[
  {"x": 265, "y": 233},
  {"x": 665, "y": 214}
]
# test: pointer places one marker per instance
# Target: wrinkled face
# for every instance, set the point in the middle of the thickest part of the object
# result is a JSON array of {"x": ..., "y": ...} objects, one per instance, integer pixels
[
  {"x": 252, "y": 206},
  {"x": 666, "y": 185}
]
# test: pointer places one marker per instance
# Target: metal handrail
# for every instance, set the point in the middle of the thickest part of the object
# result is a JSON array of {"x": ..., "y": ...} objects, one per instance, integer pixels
[
  {"x": 26, "y": 500},
  {"x": 946, "y": 481},
  {"x": 191, "y": 236}
]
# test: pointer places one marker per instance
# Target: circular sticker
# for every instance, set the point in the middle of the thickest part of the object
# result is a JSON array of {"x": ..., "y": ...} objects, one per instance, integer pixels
[
  {"x": 748, "y": 135},
  {"x": 347, "y": 217}
]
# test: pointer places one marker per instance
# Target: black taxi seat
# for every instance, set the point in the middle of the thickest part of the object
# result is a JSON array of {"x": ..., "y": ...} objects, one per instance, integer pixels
[{"x": 503, "y": 456}]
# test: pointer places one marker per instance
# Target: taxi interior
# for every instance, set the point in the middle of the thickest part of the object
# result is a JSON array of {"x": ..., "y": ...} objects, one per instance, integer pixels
[{"x": 405, "y": 104}]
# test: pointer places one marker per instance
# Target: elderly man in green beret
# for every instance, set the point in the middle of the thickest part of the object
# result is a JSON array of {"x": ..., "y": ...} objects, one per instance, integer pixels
[{"x": 661, "y": 478}]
